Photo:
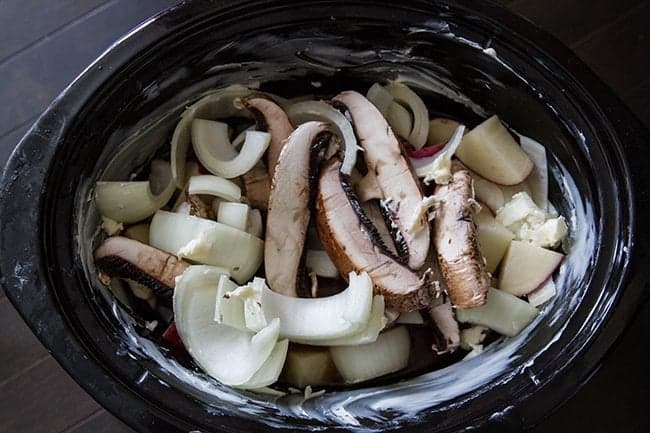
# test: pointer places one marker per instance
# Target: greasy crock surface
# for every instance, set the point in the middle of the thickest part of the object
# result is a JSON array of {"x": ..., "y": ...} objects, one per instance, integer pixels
[{"x": 535, "y": 85}]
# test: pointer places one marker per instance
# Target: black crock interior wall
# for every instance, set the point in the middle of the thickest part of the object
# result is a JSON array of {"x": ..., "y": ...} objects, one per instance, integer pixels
[{"x": 156, "y": 84}]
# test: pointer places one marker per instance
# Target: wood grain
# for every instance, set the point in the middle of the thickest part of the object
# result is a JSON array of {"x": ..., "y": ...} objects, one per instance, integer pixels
[
  {"x": 19, "y": 348},
  {"x": 43, "y": 399}
]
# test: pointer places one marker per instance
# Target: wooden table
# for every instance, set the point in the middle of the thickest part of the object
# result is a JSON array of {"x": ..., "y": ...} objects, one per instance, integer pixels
[{"x": 45, "y": 44}]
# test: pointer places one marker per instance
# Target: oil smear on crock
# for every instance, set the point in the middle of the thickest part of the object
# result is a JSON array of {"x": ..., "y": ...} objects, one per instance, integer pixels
[{"x": 367, "y": 409}]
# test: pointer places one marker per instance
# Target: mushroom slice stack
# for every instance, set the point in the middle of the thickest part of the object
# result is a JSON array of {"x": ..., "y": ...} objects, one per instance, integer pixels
[
  {"x": 461, "y": 263},
  {"x": 292, "y": 192},
  {"x": 353, "y": 244},
  {"x": 127, "y": 258},
  {"x": 394, "y": 177}
]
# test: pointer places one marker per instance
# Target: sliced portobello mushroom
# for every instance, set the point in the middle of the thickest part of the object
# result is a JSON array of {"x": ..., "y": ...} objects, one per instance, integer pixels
[
  {"x": 257, "y": 185},
  {"x": 392, "y": 171},
  {"x": 272, "y": 119},
  {"x": 198, "y": 207},
  {"x": 126, "y": 258},
  {"x": 460, "y": 261},
  {"x": 292, "y": 191},
  {"x": 354, "y": 244},
  {"x": 447, "y": 335}
]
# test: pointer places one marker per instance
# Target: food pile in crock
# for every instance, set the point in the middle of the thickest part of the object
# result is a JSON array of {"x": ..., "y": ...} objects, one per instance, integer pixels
[{"x": 322, "y": 242}]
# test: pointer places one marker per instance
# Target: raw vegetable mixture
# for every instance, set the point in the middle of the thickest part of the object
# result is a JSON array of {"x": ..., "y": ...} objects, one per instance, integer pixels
[{"x": 317, "y": 242}]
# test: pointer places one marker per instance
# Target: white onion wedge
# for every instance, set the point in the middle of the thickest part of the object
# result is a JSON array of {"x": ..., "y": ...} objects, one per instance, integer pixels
[
  {"x": 313, "y": 319},
  {"x": 410, "y": 318},
  {"x": 252, "y": 150},
  {"x": 217, "y": 105},
  {"x": 270, "y": 371},
  {"x": 229, "y": 310},
  {"x": 306, "y": 111},
  {"x": 255, "y": 225},
  {"x": 207, "y": 242},
  {"x": 538, "y": 179},
  {"x": 399, "y": 119},
  {"x": 376, "y": 323},
  {"x": 227, "y": 354},
  {"x": 438, "y": 167},
  {"x": 407, "y": 97},
  {"x": 380, "y": 98},
  {"x": 130, "y": 202},
  {"x": 213, "y": 135},
  {"x": 233, "y": 214},
  {"x": 388, "y": 354},
  {"x": 215, "y": 186},
  {"x": 503, "y": 313},
  {"x": 320, "y": 263}
]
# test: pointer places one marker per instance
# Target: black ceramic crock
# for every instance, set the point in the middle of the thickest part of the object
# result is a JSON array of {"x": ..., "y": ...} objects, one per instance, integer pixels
[{"x": 537, "y": 86}]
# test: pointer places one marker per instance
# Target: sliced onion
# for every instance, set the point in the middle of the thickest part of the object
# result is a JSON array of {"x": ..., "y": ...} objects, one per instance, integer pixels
[
  {"x": 251, "y": 152},
  {"x": 217, "y": 105},
  {"x": 207, "y": 242},
  {"x": 503, "y": 313},
  {"x": 302, "y": 112},
  {"x": 376, "y": 323},
  {"x": 270, "y": 371},
  {"x": 130, "y": 202},
  {"x": 313, "y": 319},
  {"x": 537, "y": 180},
  {"x": 229, "y": 355},
  {"x": 255, "y": 225},
  {"x": 400, "y": 119},
  {"x": 438, "y": 167},
  {"x": 138, "y": 232},
  {"x": 215, "y": 186},
  {"x": 183, "y": 208},
  {"x": 380, "y": 98},
  {"x": 213, "y": 135},
  {"x": 320, "y": 263},
  {"x": 410, "y": 318},
  {"x": 229, "y": 310},
  {"x": 388, "y": 354},
  {"x": 233, "y": 214},
  {"x": 420, "y": 131}
]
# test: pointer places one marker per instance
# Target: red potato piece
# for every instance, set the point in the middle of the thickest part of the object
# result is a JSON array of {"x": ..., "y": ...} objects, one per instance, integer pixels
[
  {"x": 460, "y": 261},
  {"x": 526, "y": 267},
  {"x": 492, "y": 152}
]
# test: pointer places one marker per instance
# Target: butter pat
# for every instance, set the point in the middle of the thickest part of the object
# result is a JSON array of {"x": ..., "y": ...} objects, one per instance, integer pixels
[{"x": 530, "y": 223}]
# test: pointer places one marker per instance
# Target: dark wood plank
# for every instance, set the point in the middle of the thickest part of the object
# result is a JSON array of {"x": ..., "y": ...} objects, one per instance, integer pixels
[
  {"x": 100, "y": 422},
  {"x": 43, "y": 399},
  {"x": 571, "y": 21},
  {"x": 638, "y": 99},
  {"x": 614, "y": 399},
  {"x": 620, "y": 52},
  {"x": 19, "y": 348},
  {"x": 41, "y": 17},
  {"x": 38, "y": 74}
]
